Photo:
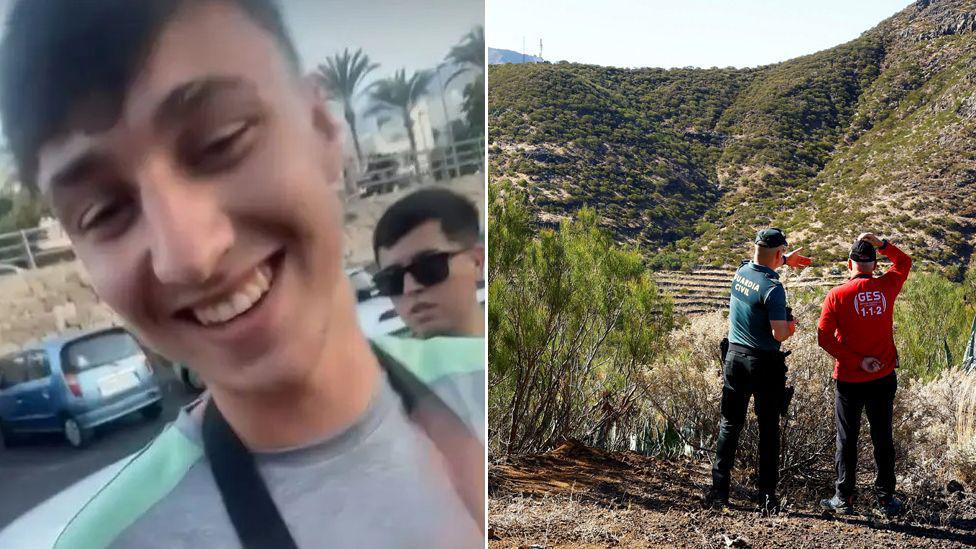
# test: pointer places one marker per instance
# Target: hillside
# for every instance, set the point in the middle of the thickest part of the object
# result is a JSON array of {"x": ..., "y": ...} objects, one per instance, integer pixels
[
  {"x": 876, "y": 133},
  {"x": 705, "y": 290}
]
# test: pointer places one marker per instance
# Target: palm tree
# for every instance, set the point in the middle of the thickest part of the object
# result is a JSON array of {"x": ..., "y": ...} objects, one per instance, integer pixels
[
  {"x": 469, "y": 53},
  {"x": 342, "y": 74},
  {"x": 400, "y": 94}
]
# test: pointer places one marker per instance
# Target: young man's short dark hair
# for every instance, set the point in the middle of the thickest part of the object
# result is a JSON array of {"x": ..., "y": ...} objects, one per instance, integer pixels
[
  {"x": 61, "y": 54},
  {"x": 457, "y": 215}
]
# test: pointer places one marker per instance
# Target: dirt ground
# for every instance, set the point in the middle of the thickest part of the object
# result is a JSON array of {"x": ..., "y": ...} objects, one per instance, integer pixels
[{"x": 576, "y": 496}]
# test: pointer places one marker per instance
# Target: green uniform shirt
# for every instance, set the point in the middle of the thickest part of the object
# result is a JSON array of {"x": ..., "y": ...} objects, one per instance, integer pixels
[{"x": 757, "y": 297}]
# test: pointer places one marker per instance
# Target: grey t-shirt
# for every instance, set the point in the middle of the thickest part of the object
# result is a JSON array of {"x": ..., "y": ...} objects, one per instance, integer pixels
[{"x": 377, "y": 484}]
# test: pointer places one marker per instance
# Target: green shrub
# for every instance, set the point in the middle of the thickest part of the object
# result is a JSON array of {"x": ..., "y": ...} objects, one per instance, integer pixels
[
  {"x": 932, "y": 321},
  {"x": 572, "y": 319}
]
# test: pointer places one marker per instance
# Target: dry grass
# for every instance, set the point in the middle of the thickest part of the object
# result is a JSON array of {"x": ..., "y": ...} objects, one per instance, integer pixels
[
  {"x": 962, "y": 452},
  {"x": 934, "y": 422}
]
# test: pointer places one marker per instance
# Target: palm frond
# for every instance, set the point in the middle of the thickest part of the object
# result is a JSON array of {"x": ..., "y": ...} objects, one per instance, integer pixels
[{"x": 344, "y": 72}]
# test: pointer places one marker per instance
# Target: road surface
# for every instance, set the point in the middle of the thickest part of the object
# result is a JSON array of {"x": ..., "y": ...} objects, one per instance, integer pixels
[{"x": 42, "y": 466}]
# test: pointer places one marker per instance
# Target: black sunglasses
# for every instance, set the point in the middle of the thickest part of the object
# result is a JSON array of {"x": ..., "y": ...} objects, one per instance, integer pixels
[{"x": 427, "y": 269}]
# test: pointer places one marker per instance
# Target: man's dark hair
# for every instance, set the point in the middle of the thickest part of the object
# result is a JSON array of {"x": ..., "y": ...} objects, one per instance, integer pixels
[
  {"x": 59, "y": 55},
  {"x": 458, "y": 217}
]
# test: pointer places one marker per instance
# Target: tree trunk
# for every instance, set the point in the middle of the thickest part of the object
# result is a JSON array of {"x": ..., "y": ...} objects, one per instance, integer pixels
[
  {"x": 408, "y": 124},
  {"x": 351, "y": 120}
]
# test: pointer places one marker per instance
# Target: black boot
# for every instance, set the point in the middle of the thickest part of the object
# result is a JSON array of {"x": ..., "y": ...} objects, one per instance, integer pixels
[{"x": 716, "y": 499}]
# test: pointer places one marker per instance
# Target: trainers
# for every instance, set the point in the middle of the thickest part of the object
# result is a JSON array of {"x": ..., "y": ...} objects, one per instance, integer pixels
[
  {"x": 717, "y": 499},
  {"x": 837, "y": 504},
  {"x": 769, "y": 506},
  {"x": 890, "y": 506}
]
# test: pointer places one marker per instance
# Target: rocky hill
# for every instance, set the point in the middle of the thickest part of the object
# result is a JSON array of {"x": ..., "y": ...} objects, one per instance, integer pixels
[{"x": 878, "y": 133}]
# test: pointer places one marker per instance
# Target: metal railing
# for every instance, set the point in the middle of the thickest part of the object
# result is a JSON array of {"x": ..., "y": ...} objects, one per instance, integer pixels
[
  {"x": 33, "y": 248},
  {"x": 388, "y": 172}
]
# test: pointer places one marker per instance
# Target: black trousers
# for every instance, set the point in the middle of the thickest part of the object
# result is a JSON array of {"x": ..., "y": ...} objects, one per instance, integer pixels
[
  {"x": 746, "y": 376},
  {"x": 876, "y": 398}
]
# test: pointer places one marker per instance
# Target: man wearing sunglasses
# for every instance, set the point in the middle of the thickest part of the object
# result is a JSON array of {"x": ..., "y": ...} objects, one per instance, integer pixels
[
  {"x": 195, "y": 170},
  {"x": 431, "y": 260}
]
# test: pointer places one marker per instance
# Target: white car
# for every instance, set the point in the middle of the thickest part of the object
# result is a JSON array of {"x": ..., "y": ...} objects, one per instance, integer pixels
[{"x": 40, "y": 527}]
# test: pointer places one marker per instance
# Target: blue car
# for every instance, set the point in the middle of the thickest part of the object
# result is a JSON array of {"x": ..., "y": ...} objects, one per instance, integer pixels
[{"x": 74, "y": 383}]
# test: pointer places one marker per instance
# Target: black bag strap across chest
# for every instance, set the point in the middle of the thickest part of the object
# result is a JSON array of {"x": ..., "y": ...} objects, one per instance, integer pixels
[{"x": 252, "y": 511}]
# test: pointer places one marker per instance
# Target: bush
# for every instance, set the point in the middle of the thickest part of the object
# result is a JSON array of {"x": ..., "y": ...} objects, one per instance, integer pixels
[
  {"x": 684, "y": 390},
  {"x": 934, "y": 415},
  {"x": 572, "y": 319},
  {"x": 932, "y": 322},
  {"x": 23, "y": 211},
  {"x": 934, "y": 430}
]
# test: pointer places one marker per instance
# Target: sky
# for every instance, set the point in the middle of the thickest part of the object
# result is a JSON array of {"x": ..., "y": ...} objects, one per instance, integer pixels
[
  {"x": 680, "y": 33},
  {"x": 411, "y": 34}
]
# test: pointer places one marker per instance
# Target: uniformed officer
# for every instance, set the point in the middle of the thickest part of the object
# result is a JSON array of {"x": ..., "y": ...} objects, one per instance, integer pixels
[{"x": 759, "y": 321}]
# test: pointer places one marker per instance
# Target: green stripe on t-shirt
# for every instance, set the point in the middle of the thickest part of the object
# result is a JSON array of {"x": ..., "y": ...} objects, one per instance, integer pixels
[
  {"x": 142, "y": 482},
  {"x": 438, "y": 357}
]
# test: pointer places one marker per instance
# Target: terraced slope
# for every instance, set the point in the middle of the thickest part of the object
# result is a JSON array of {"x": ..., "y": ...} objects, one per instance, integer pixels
[{"x": 707, "y": 289}]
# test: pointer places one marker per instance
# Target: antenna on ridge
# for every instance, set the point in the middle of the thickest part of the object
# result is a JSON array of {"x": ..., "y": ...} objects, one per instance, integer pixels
[
  {"x": 523, "y": 49},
  {"x": 540, "y": 49}
]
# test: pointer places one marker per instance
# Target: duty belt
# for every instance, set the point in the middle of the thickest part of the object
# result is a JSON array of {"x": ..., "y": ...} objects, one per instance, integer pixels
[{"x": 757, "y": 353}]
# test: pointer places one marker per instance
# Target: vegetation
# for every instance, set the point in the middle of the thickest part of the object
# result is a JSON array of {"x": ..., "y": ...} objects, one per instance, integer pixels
[
  {"x": 343, "y": 75},
  {"x": 469, "y": 55},
  {"x": 573, "y": 319},
  {"x": 875, "y": 134},
  {"x": 20, "y": 209},
  {"x": 400, "y": 94},
  {"x": 934, "y": 317},
  {"x": 583, "y": 346}
]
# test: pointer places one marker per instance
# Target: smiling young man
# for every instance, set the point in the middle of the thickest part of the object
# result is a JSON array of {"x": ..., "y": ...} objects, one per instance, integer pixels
[
  {"x": 431, "y": 259},
  {"x": 195, "y": 171}
]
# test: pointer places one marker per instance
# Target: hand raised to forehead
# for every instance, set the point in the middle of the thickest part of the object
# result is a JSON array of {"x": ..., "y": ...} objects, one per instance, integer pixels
[{"x": 871, "y": 239}]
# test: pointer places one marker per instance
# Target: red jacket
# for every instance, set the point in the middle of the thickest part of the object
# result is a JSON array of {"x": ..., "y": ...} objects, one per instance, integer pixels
[{"x": 857, "y": 320}]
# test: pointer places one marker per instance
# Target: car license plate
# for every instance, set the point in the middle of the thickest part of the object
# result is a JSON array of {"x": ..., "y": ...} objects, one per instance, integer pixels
[{"x": 117, "y": 383}]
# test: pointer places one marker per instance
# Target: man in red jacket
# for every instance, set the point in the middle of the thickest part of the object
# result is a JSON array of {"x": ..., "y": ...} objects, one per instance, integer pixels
[{"x": 856, "y": 329}]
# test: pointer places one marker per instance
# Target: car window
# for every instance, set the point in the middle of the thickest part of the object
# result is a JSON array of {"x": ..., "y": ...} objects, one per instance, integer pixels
[
  {"x": 38, "y": 366},
  {"x": 13, "y": 370},
  {"x": 98, "y": 350}
]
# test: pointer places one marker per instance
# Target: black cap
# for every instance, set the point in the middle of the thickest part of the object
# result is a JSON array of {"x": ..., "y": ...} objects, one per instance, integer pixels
[
  {"x": 771, "y": 238},
  {"x": 863, "y": 252}
]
